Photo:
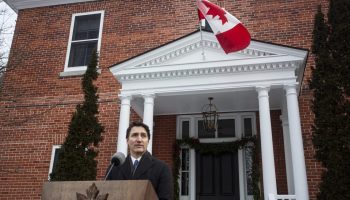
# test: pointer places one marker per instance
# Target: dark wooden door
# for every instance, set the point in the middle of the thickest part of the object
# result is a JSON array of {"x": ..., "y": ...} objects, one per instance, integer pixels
[{"x": 217, "y": 177}]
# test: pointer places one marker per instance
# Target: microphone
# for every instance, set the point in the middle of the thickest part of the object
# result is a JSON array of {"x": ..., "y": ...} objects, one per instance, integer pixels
[{"x": 116, "y": 160}]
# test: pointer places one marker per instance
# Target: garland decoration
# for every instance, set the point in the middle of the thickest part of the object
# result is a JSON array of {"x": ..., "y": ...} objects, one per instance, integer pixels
[{"x": 217, "y": 149}]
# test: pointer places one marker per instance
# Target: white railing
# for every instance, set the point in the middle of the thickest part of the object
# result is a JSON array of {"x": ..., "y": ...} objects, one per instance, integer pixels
[{"x": 282, "y": 197}]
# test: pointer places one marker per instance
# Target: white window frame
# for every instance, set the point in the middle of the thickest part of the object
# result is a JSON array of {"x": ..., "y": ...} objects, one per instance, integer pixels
[
  {"x": 239, "y": 126},
  {"x": 82, "y": 68},
  {"x": 216, "y": 139},
  {"x": 185, "y": 197},
  {"x": 244, "y": 189},
  {"x": 192, "y": 170},
  {"x": 54, "y": 149}
]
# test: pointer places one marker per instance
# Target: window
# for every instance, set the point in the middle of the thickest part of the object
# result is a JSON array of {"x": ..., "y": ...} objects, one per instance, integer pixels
[
  {"x": 248, "y": 170},
  {"x": 56, "y": 149},
  {"x": 185, "y": 129},
  {"x": 226, "y": 129},
  {"x": 248, "y": 127},
  {"x": 248, "y": 132},
  {"x": 207, "y": 27},
  {"x": 202, "y": 133},
  {"x": 185, "y": 171},
  {"x": 85, "y": 36}
]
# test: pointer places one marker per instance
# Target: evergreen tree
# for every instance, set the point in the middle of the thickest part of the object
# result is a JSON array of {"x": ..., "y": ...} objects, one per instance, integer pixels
[
  {"x": 331, "y": 104},
  {"x": 76, "y": 160}
]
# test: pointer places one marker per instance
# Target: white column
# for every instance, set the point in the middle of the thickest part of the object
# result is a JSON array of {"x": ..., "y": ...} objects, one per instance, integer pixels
[
  {"x": 287, "y": 155},
  {"x": 268, "y": 162},
  {"x": 287, "y": 150},
  {"x": 148, "y": 116},
  {"x": 124, "y": 120},
  {"x": 297, "y": 147}
]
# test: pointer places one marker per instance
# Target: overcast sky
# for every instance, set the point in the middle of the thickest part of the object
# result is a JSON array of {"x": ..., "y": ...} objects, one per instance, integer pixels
[{"x": 7, "y": 26}]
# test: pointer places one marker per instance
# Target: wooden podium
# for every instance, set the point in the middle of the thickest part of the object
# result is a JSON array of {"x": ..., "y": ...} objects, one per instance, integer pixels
[{"x": 99, "y": 190}]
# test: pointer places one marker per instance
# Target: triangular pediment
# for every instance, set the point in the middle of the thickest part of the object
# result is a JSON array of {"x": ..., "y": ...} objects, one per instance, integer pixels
[
  {"x": 184, "y": 72},
  {"x": 202, "y": 51}
]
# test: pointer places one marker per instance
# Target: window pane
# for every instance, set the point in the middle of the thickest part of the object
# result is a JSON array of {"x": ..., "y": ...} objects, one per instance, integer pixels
[
  {"x": 86, "y": 27},
  {"x": 184, "y": 183},
  {"x": 248, "y": 129},
  {"x": 80, "y": 53},
  {"x": 185, "y": 129},
  {"x": 57, "y": 153},
  {"x": 226, "y": 128},
  {"x": 248, "y": 168},
  {"x": 201, "y": 131},
  {"x": 185, "y": 166},
  {"x": 207, "y": 27},
  {"x": 185, "y": 160}
]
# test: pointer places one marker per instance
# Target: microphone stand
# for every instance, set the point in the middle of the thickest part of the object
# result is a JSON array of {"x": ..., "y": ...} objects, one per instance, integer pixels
[
  {"x": 110, "y": 169},
  {"x": 117, "y": 159}
]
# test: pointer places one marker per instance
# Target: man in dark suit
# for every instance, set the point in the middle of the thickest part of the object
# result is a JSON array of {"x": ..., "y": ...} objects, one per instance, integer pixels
[{"x": 141, "y": 165}]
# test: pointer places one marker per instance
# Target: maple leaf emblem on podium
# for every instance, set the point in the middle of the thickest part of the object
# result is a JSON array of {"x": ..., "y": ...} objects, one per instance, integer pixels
[{"x": 92, "y": 194}]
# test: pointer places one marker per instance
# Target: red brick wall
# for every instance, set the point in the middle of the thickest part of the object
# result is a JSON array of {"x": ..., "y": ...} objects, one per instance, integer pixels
[
  {"x": 164, "y": 137},
  {"x": 313, "y": 168},
  {"x": 36, "y": 105},
  {"x": 278, "y": 145}
]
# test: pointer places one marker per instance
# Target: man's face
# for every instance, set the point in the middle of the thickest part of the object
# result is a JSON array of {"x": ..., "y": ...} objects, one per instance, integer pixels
[{"x": 137, "y": 141}]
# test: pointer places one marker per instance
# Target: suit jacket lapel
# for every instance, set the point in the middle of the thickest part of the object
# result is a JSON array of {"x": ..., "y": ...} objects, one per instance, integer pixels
[
  {"x": 126, "y": 168},
  {"x": 145, "y": 163}
]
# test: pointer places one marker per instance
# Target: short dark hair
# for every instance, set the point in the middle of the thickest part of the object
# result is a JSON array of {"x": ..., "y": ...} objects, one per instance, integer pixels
[{"x": 138, "y": 124}]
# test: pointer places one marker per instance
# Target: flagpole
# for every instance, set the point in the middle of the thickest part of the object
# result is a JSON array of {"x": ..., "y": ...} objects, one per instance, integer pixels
[
  {"x": 200, "y": 17},
  {"x": 202, "y": 42}
]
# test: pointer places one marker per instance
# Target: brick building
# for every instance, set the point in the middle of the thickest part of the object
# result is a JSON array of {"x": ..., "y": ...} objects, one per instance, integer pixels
[{"x": 156, "y": 66}]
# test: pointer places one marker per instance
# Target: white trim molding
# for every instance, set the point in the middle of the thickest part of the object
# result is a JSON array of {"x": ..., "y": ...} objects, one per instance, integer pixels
[
  {"x": 52, "y": 160},
  {"x": 233, "y": 67},
  {"x": 179, "y": 67},
  {"x": 20, "y": 4}
]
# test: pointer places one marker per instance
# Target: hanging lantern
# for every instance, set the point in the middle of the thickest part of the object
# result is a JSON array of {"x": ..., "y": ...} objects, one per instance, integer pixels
[{"x": 210, "y": 117}]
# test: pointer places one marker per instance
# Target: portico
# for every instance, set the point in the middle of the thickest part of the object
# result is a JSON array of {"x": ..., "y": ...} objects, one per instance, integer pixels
[{"x": 177, "y": 78}]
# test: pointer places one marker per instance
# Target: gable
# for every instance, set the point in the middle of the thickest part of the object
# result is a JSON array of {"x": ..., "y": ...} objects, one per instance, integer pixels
[
  {"x": 184, "y": 71},
  {"x": 197, "y": 51}
]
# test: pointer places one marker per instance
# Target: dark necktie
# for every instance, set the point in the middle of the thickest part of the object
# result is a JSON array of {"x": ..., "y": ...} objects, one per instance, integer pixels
[{"x": 136, "y": 163}]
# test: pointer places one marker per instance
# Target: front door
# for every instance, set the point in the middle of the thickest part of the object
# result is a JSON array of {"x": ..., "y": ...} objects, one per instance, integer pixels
[{"x": 217, "y": 177}]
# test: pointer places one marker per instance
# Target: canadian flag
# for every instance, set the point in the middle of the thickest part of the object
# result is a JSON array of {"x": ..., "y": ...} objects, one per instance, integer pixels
[{"x": 229, "y": 31}]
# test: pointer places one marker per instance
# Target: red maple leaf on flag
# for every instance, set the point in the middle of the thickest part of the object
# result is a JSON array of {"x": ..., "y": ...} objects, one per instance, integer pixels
[{"x": 215, "y": 10}]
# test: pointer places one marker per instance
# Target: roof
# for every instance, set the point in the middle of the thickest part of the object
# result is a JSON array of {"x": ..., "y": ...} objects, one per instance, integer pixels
[{"x": 24, "y": 4}]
